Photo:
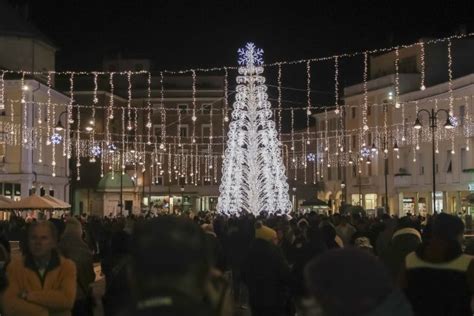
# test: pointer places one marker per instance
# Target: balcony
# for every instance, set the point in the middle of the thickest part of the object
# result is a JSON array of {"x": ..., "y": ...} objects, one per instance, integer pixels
[{"x": 402, "y": 180}]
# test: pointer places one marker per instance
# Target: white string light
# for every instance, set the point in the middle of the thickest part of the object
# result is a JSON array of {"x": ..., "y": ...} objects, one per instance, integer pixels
[
  {"x": 450, "y": 88},
  {"x": 110, "y": 109},
  {"x": 435, "y": 131},
  {"x": 397, "y": 78},
  {"x": 226, "y": 95},
  {"x": 95, "y": 100},
  {"x": 404, "y": 131},
  {"x": 163, "y": 113},
  {"x": 365, "y": 127},
  {"x": 69, "y": 119},
  {"x": 178, "y": 126},
  {"x": 25, "y": 110},
  {"x": 292, "y": 130},
  {"x": 422, "y": 65},
  {"x": 467, "y": 125},
  {"x": 129, "y": 101},
  {"x": 279, "y": 102},
  {"x": 148, "y": 103},
  {"x": 78, "y": 137},
  {"x": 308, "y": 97},
  {"x": 48, "y": 111},
  {"x": 417, "y": 144},
  {"x": 336, "y": 85},
  {"x": 2, "y": 90},
  {"x": 194, "y": 118}
]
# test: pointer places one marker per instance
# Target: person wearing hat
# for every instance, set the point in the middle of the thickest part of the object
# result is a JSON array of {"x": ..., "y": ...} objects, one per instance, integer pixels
[
  {"x": 353, "y": 282},
  {"x": 266, "y": 274},
  {"x": 438, "y": 278}
]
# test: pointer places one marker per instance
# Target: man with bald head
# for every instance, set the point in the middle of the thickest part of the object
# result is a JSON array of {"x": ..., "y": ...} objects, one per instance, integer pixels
[{"x": 42, "y": 283}]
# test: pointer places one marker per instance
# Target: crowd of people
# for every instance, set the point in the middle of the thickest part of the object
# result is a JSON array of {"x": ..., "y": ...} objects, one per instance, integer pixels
[{"x": 208, "y": 264}]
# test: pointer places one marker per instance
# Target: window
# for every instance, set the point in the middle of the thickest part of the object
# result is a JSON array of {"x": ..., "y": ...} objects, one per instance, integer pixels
[
  {"x": 339, "y": 172},
  {"x": 369, "y": 170},
  {"x": 369, "y": 139},
  {"x": 159, "y": 180},
  {"x": 407, "y": 65},
  {"x": 205, "y": 130},
  {"x": 462, "y": 114},
  {"x": 369, "y": 109},
  {"x": 421, "y": 169},
  {"x": 329, "y": 174},
  {"x": 183, "y": 108},
  {"x": 449, "y": 163},
  {"x": 51, "y": 192},
  {"x": 206, "y": 109},
  {"x": 354, "y": 171},
  {"x": 183, "y": 131},
  {"x": 354, "y": 141},
  {"x": 353, "y": 112}
]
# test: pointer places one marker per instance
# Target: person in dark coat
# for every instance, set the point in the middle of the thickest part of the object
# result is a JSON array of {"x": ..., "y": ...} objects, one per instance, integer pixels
[
  {"x": 171, "y": 270},
  {"x": 353, "y": 282},
  {"x": 438, "y": 278},
  {"x": 404, "y": 240},
  {"x": 114, "y": 267},
  {"x": 73, "y": 247},
  {"x": 266, "y": 274}
]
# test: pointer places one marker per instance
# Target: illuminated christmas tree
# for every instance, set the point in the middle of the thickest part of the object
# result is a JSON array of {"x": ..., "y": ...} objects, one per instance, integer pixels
[{"x": 253, "y": 174}]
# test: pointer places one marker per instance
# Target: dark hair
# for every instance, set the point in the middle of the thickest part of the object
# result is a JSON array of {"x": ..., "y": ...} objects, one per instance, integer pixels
[
  {"x": 169, "y": 247},
  {"x": 447, "y": 227},
  {"x": 50, "y": 225},
  {"x": 348, "y": 282}
]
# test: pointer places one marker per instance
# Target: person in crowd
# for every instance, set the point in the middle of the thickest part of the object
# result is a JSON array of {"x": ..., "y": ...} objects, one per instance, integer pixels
[
  {"x": 215, "y": 246},
  {"x": 171, "y": 270},
  {"x": 329, "y": 237},
  {"x": 345, "y": 230},
  {"x": 72, "y": 246},
  {"x": 405, "y": 239},
  {"x": 438, "y": 278},
  {"x": 114, "y": 267},
  {"x": 352, "y": 282},
  {"x": 5, "y": 251},
  {"x": 42, "y": 282},
  {"x": 385, "y": 236},
  {"x": 267, "y": 274}
]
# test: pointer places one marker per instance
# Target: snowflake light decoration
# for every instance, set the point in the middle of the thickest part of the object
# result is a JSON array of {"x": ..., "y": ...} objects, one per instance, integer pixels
[
  {"x": 365, "y": 152},
  {"x": 112, "y": 148},
  {"x": 95, "y": 151},
  {"x": 56, "y": 138},
  {"x": 311, "y": 157},
  {"x": 250, "y": 55}
]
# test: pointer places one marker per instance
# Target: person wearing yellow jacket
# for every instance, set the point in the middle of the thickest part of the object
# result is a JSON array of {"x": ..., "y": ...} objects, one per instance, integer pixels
[{"x": 42, "y": 283}]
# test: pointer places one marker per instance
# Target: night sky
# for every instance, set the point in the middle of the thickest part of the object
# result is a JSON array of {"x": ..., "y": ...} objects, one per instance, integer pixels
[{"x": 181, "y": 34}]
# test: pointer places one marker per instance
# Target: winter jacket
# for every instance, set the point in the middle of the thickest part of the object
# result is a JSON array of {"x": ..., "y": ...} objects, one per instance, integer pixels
[
  {"x": 74, "y": 248},
  {"x": 438, "y": 279},
  {"x": 52, "y": 295},
  {"x": 396, "y": 304},
  {"x": 267, "y": 275}
]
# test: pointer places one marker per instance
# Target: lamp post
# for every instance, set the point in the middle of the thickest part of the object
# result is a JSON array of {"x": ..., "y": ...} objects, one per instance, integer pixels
[{"x": 433, "y": 117}]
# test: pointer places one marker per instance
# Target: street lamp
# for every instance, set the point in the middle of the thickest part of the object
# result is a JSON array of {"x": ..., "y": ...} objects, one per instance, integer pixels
[{"x": 433, "y": 118}]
